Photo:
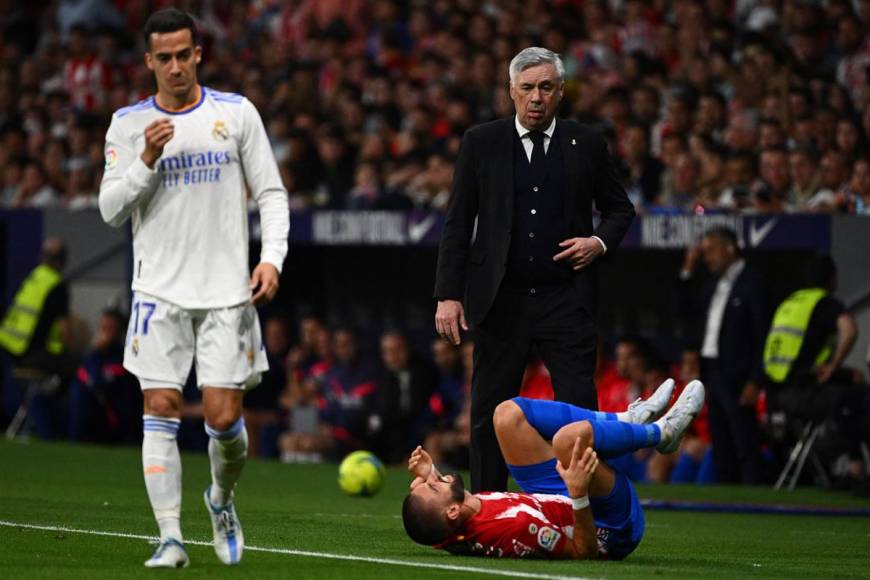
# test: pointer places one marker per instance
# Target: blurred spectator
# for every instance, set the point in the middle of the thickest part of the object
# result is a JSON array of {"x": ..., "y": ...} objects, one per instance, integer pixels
[
  {"x": 859, "y": 187},
  {"x": 775, "y": 173},
  {"x": 834, "y": 172},
  {"x": 307, "y": 363},
  {"x": 34, "y": 189},
  {"x": 644, "y": 170},
  {"x": 804, "y": 177},
  {"x": 450, "y": 394},
  {"x": 400, "y": 416},
  {"x": 365, "y": 102},
  {"x": 450, "y": 444},
  {"x": 348, "y": 392},
  {"x": 105, "y": 400},
  {"x": 87, "y": 79}
]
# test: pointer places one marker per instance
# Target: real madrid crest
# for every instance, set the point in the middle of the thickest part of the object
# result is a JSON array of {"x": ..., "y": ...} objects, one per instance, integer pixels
[
  {"x": 220, "y": 131},
  {"x": 135, "y": 346}
]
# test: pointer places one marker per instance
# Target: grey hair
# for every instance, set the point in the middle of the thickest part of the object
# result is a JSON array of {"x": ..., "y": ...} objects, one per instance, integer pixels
[{"x": 534, "y": 56}]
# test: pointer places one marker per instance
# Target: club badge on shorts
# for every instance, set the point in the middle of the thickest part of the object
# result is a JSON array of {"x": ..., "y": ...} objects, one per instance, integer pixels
[{"x": 134, "y": 346}]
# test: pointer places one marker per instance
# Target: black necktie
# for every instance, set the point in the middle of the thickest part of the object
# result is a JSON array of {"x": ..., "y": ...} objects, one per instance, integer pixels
[{"x": 537, "y": 161}]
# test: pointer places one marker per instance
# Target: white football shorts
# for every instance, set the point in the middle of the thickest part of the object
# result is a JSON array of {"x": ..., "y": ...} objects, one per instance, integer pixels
[{"x": 164, "y": 339}]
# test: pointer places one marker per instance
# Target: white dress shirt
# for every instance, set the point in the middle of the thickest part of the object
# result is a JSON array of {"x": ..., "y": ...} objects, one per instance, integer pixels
[{"x": 710, "y": 346}]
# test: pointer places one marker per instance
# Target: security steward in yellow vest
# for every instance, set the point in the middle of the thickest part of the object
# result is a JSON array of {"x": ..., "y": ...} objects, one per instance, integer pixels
[
  {"x": 810, "y": 337},
  {"x": 34, "y": 328}
]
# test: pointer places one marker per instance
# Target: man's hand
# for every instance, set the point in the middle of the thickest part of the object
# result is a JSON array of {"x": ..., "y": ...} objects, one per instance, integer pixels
[
  {"x": 420, "y": 465},
  {"x": 749, "y": 394},
  {"x": 264, "y": 283},
  {"x": 824, "y": 373},
  {"x": 449, "y": 317},
  {"x": 579, "y": 252},
  {"x": 157, "y": 135},
  {"x": 579, "y": 472}
]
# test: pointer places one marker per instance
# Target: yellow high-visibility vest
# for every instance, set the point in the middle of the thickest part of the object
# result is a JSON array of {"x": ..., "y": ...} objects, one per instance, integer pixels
[
  {"x": 787, "y": 333},
  {"x": 20, "y": 321}
]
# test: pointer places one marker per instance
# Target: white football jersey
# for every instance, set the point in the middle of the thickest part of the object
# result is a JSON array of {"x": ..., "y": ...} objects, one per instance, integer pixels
[{"x": 189, "y": 213}]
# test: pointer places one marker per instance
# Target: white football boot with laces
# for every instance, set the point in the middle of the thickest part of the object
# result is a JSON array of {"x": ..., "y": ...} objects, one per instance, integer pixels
[
  {"x": 680, "y": 416},
  {"x": 169, "y": 554},
  {"x": 229, "y": 542},
  {"x": 644, "y": 411}
]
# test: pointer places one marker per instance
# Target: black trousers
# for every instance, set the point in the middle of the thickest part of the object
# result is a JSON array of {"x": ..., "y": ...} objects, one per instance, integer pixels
[
  {"x": 733, "y": 427},
  {"x": 553, "y": 322}
]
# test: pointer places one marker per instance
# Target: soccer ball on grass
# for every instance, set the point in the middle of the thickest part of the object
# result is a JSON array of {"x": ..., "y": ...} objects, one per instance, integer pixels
[{"x": 361, "y": 474}]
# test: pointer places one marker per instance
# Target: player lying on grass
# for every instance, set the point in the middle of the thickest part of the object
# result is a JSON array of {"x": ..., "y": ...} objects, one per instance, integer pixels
[{"x": 573, "y": 504}]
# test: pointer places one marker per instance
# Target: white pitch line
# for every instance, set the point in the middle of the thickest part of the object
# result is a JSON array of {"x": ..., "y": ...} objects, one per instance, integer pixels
[{"x": 304, "y": 553}]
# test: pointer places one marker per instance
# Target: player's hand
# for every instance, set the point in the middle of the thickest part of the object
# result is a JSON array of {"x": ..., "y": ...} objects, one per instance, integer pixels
[
  {"x": 449, "y": 317},
  {"x": 579, "y": 472},
  {"x": 264, "y": 283},
  {"x": 420, "y": 465},
  {"x": 579, "y": 252},
  {"x": 157, "y": 135}
]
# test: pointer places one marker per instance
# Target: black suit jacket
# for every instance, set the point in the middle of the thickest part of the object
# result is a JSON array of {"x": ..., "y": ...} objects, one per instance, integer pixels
[
  {"x": 483, "y": 189},
  {"x": 745, "y": 323}
]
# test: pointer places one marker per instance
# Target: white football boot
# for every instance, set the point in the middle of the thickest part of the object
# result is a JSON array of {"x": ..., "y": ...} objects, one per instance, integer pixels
[
  {"x": 229, "y": 542},
  {"x": 679, "y": 417},
  {"x": 643, "y": 411},
  {"x": 169, "y": 554}
]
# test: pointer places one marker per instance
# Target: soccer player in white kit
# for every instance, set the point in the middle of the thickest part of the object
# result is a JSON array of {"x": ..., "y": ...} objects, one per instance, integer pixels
[{"x": 177, "y": 164}]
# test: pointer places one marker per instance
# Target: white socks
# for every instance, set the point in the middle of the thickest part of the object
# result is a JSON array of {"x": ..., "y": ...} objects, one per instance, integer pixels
[
  {"x": 227, "y": 451},
  {"x": 162, "y": 466}
]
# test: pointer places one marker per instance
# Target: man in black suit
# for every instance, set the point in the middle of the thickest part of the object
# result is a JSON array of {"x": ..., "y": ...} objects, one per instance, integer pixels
[
  {"x": 520, "y": 246},
  {"x": 729, "y": 313}
]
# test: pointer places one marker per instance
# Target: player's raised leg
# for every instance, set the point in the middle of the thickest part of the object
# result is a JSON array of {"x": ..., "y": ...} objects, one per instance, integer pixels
[
  {"x": 162, "y": 467},
  {"x": 227, "y": 453}
]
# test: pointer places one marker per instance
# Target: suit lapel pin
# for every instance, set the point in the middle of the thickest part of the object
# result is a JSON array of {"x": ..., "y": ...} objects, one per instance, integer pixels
[{"x": 573, "y": 141}]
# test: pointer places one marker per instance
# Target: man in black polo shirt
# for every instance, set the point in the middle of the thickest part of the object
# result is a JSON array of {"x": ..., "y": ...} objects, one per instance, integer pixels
[{"x": 520, "y": 247}]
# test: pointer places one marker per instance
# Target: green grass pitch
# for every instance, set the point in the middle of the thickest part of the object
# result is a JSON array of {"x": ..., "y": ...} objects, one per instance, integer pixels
[{"x": 299, "y": 513}]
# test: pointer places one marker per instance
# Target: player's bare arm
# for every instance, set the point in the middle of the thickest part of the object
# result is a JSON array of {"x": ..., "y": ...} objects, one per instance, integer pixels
[{"x": 577, "y": 477}]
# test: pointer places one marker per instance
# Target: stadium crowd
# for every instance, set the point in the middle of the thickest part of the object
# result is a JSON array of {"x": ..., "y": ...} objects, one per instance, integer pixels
[{"x": 711, "y": 105}]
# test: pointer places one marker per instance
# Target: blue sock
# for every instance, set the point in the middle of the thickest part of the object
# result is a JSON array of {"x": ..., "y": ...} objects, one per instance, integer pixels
[
  {"x": 547, "y": 417},
  {"x": 615, "y": 437}
]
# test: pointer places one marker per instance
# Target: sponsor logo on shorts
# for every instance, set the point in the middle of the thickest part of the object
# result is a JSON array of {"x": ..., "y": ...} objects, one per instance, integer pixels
[{"x": 547, "y": 538}]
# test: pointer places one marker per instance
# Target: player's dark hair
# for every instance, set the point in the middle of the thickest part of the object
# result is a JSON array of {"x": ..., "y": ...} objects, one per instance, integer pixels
[
  {"x": 422, "y": 523},
  {"x": 168, "y": 20}
]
